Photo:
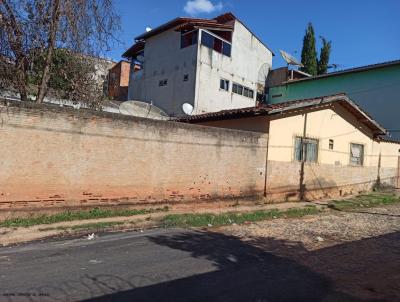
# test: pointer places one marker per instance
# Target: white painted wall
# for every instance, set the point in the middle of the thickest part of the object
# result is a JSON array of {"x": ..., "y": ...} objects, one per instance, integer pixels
[
  {"x": 164, "y": 59},
  {"x": 334, "y": 123},
  {"x": 248, "y": 57}
]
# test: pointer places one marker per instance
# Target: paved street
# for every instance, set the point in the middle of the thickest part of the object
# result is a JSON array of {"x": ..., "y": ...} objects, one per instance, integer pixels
[{"x": 181, "y": 265}]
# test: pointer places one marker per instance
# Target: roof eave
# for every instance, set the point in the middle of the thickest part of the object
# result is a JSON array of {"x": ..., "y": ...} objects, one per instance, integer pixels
[
  {"x": 346, "y": 71},
  {"x": 375, "y": 128}
]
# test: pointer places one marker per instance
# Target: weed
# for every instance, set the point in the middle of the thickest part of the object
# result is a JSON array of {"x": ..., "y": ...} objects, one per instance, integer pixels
[
  {"x": 366, "y": 200},
  {"x": 76, "y": 215},
  {"x": 200, "y": 220}
]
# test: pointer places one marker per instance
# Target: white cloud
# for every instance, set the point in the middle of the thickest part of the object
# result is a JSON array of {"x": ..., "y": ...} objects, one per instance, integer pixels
[{"x": 195, "y": 7}]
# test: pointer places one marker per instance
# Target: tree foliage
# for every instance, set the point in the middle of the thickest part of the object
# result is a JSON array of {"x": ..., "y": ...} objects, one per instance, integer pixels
[
  {"x": 309, "y": 52},
  {"x": 72, "y": 77},
  {"x": 325, "y": 53},
  {"x": 313, "y": 65},
  {"x": 33, "y": 30}
]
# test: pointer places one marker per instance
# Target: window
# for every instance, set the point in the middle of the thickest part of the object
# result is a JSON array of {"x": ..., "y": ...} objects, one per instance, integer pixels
[
  {"x": 356, "y": 154},
  {"x": 186, "y": 78},
  {"x": 239, "y": 89},
  {"x": 207, "y": 40},
  {"x": 235, "y": 88},
  {"x": 226, "y": 50},
  {"x": 163, "y": 83},
  {"x": 218, "y": 45},
  {"x": 331, "y": 144},
  {"x": 189, "y": 38},
  {"x": 251, "y": 94},
  {"x": 224, "y": 84},
  {"x": 215, "y": 43},
  {"x": 137, "y": 61},
  {"x": 306, "y": 149},
  {"x": 247, "y": 92}
]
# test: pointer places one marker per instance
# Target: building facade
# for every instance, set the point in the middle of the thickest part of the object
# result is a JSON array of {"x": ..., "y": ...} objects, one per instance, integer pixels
[
  {"x": 212, "y": 64},
  {"x": 118, "y": 81},
  {"x": 376, "y": 88},
  {"x": 325, "y": 147}
]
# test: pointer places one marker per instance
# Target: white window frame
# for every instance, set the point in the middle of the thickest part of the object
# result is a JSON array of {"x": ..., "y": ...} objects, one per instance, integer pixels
[
  {"x": 225, "y": 82},
  {"x": 217, "y": 37},
  {"x": 242, "y": 90}
]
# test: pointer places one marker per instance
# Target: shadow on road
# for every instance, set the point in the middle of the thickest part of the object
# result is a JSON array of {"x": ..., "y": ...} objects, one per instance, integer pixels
[{"x": 266, "y": 269}]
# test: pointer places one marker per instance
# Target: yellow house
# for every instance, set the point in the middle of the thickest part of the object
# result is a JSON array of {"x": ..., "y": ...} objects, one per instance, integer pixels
[{"x": 320, "y": 147}]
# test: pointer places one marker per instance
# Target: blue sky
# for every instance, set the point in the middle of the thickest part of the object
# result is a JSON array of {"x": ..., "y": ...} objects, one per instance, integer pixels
[{"x": 362, "y": 31}]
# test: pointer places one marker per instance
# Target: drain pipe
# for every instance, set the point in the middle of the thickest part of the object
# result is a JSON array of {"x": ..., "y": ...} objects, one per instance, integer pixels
[{"x": 266, "y": 165}]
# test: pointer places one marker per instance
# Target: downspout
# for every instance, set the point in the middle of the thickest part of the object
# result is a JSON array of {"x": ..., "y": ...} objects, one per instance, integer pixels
[{"x": 266, "y": 165}]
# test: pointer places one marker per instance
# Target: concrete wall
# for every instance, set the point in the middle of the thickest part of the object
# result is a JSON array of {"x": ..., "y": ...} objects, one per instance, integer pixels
[
  {"x": 376, "y": 90},
  {"x": 332, "y": 175},
  {"x": 55, "y": 157},
  {"x": 165, "y": 60},
  {"x": 249, "y": 58}
]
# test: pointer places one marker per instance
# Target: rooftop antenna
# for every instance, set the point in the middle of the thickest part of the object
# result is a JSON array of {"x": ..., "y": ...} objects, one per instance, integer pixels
[
  {"x": 262, "y": 78},
  {"x": 187, "y": 108},
  {"x": 334, "y": 66},
  {"x": 290, "y": 60}
]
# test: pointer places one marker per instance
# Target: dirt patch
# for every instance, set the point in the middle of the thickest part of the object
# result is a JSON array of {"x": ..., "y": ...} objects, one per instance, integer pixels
[
  {"x": 357, "y": 251},
  {"x": 327, "y": 229},
  {"x": 24, "y": 234}
]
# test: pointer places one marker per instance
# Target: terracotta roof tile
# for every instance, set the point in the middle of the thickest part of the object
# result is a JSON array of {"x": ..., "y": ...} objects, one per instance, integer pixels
[{"x": 271, "y": 109}]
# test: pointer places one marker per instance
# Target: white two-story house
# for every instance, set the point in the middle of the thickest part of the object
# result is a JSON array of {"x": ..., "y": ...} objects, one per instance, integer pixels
[{"x": 212, "y": 64}]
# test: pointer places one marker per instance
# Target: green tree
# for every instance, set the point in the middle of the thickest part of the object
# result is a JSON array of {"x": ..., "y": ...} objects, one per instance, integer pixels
[
  {"x": 309, "y": 52},
  {"x": 325, "y": 53},
  {"x": 71, "y": 76},
  {"x": 37, "y": 28}
]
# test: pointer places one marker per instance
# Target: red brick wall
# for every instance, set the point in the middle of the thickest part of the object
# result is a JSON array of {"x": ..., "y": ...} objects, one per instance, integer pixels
[
  {"x": 52, "y": 156},
  {"x": 125, "y": 70},
  {"x": 118, "y": 81}
]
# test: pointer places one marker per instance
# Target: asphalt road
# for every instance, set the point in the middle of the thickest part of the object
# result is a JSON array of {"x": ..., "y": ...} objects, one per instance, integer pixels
[{"x": 174, "y": 265}]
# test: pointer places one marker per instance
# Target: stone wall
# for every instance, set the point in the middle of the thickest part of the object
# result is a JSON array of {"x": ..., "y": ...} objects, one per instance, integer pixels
[{"x": 57, "y": 157}]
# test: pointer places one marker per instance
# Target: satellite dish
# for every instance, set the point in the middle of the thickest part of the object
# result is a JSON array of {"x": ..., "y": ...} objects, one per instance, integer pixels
[
  {"x": 187, "y": 108},
  {"x": 290, "y": 59},
  {"x": 142, "y": 109},
  {"x": 263, "y": 75},
  {"x": 148, "y": 29}
]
